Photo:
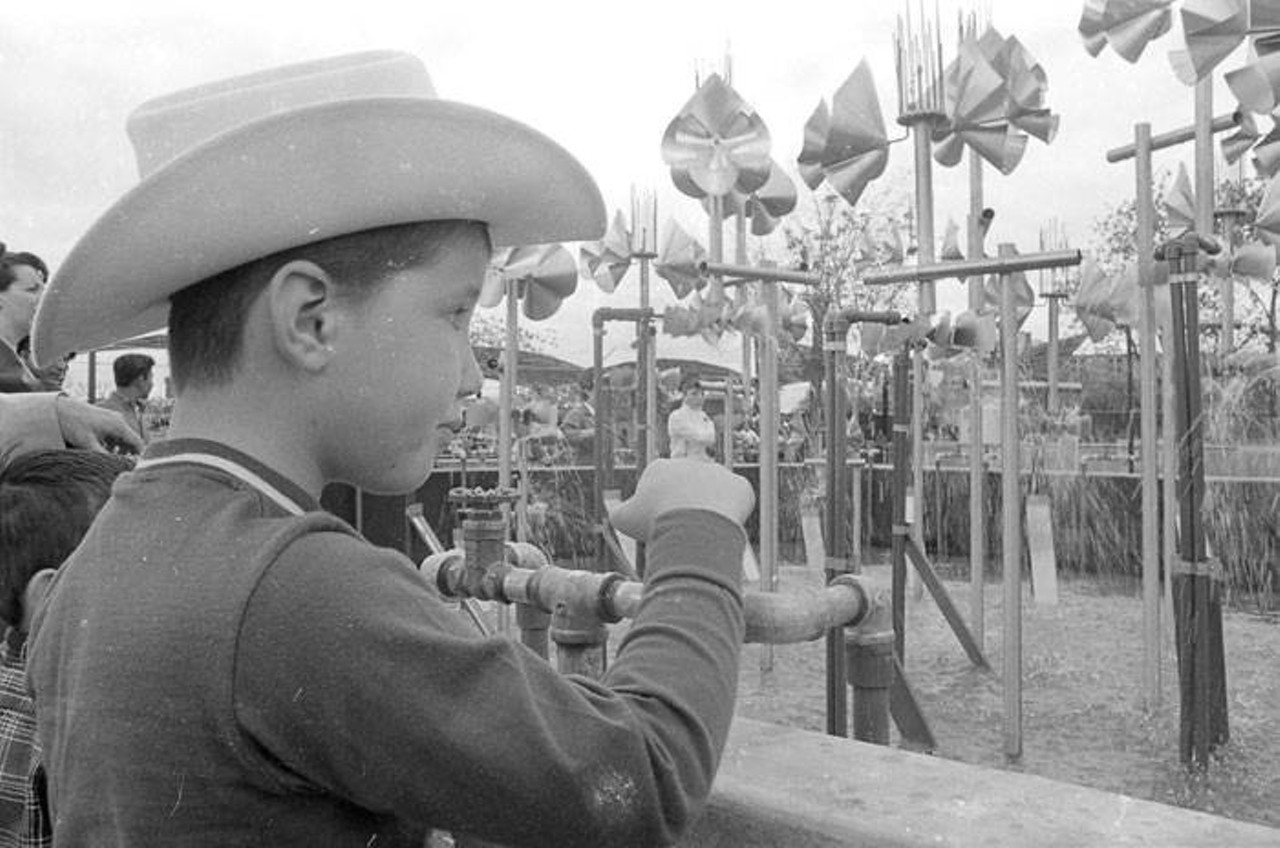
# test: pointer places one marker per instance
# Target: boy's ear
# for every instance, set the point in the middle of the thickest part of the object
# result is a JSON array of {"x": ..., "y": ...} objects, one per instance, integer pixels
[
  {"x": 33, "y": 596},
  {"x": 300, "y": 300}
]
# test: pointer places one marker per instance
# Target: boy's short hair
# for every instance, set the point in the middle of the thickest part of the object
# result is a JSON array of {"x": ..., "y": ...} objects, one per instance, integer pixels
[
  {"x": 206, "y": 320},
  {"x": 128, "y": 367},
  {"x": 48, "y": 499}
]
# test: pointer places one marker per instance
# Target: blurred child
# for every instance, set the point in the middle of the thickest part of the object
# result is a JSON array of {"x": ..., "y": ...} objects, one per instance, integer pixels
[{"x": 48, "y": 498}]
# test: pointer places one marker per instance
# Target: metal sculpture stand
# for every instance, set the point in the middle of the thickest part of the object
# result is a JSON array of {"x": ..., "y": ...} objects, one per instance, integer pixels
[
  {"x": 1153, "y": 549},
  {"x": 1197, "y": 579},
  {"x": 872, "y": 663},
  {"x": 607, "y": 545},
  {"x": 1006, "y": 265}
]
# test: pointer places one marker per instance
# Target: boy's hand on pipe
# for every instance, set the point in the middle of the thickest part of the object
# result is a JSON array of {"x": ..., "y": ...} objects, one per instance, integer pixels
[{"x": 671, "y": 484}]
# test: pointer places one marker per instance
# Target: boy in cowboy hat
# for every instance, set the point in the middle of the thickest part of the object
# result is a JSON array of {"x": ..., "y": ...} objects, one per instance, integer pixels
[{"x": 221, "y": 662}]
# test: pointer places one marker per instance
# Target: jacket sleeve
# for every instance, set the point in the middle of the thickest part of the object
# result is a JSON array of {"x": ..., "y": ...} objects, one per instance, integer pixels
[
  {"x": 29, "y": 422},
  {"x": 357, "y": 681}
]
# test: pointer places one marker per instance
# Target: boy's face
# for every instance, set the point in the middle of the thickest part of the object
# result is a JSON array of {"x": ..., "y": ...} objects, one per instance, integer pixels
[{"x": 403, "y": 367}]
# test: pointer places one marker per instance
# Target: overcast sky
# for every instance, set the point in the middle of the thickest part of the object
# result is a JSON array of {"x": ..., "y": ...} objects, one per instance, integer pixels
[{"x": 602, "y": 79}]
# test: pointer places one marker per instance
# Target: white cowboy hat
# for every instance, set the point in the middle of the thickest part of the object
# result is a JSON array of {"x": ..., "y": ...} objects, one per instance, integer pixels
[{"x": 239, "y": 169}]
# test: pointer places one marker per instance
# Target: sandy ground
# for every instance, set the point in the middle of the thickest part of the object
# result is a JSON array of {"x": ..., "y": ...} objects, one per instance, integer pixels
[{"x": 1083, "y": 716}]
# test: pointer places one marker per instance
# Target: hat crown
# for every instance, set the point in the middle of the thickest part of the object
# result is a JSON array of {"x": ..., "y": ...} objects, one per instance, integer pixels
[{"x": 164, "y": 128}]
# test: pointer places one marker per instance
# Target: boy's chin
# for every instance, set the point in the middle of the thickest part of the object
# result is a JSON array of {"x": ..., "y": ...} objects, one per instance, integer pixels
[{"x": 405, "y": 479}]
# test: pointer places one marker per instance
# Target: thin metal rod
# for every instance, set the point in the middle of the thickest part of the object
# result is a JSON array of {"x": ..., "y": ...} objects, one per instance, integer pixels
[
  {"x": 1173, "y": 138},
  {"x": 768, "y": 424},
  {"x": 600, "y": 443},
  {"x": 746, "y": 272},
  {"x": 977, "y": 460},
  {"x": 1011, "y": 505},
  {"x": 1147, "y": 355},
  {"x": 506, "y": 406},
  {"x": 650, "y": 365},
  {"x": 1055, "y": 305},
  {"x": 922, "y": 136},
  {"x": 833, "y": 350},
  {"x": 901, "y": 458},
  {"x": 1000, "y": 265}
]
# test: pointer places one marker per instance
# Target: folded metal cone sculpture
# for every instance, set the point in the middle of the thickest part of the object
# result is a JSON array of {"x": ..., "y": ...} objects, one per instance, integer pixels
[
  {"x": 717, "y": 141},
  {"x": 765, "y": 207},
  {"x": 545, "y": 275},
  {"x": 606, "y": 261},
  {"x": 1253, "y": 260},
  {"x": 1127, "y": 25},
  {"x": 1180, "y": 204},
  {"x": 977, "y": 101},
  {"x": 847, "y": 146},
  {"x": 1267, "y": 222},
  {"x": 679, "y": 261},
  {"x": 1104, "y": 300}
]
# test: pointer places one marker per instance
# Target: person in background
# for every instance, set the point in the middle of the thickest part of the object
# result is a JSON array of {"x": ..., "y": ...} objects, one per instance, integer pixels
[
  {"x": 133, "y": 375},
  {"x": 50, "y": 377},
  {"x": 48, "y": 498},
  {"x": 579, "y": 427},
  {"x": 22, "y": 280},
  {"x": 691, "y": 431},
  {"x": 221, "y": 662}
]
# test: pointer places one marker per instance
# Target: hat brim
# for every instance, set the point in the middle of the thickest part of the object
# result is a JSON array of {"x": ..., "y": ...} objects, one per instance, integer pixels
[{"x": 301, "y": 177}]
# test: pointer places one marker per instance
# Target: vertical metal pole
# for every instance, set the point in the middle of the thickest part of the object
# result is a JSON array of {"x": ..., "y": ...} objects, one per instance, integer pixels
[
  {"x": 93, "y": 376},
  {"x": 768, "y": 523},
  {"x": 1150, "y": 454},
  {"x": 507, "y": 388},
  {"x": 639, "y": 414},
  {"x": 769, "y": 419},
  {"x": 651, "y": 369},
  {"x": 918, "y": 372},
  {"x": 834, "y": 331},
  {"x": 977, "y": 461},
  {"x": 977, "y": 506},
  {"x": 506, "y": 403},
  {"x": 901, "y": 433},
  {"x": 599, "y": 444},
  {"x": 1190, "y": 743},
  {"x": 1054, "y": 305},
  {"x": 922, "y": 136},
  {"x": 1011, "y": 497}
]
